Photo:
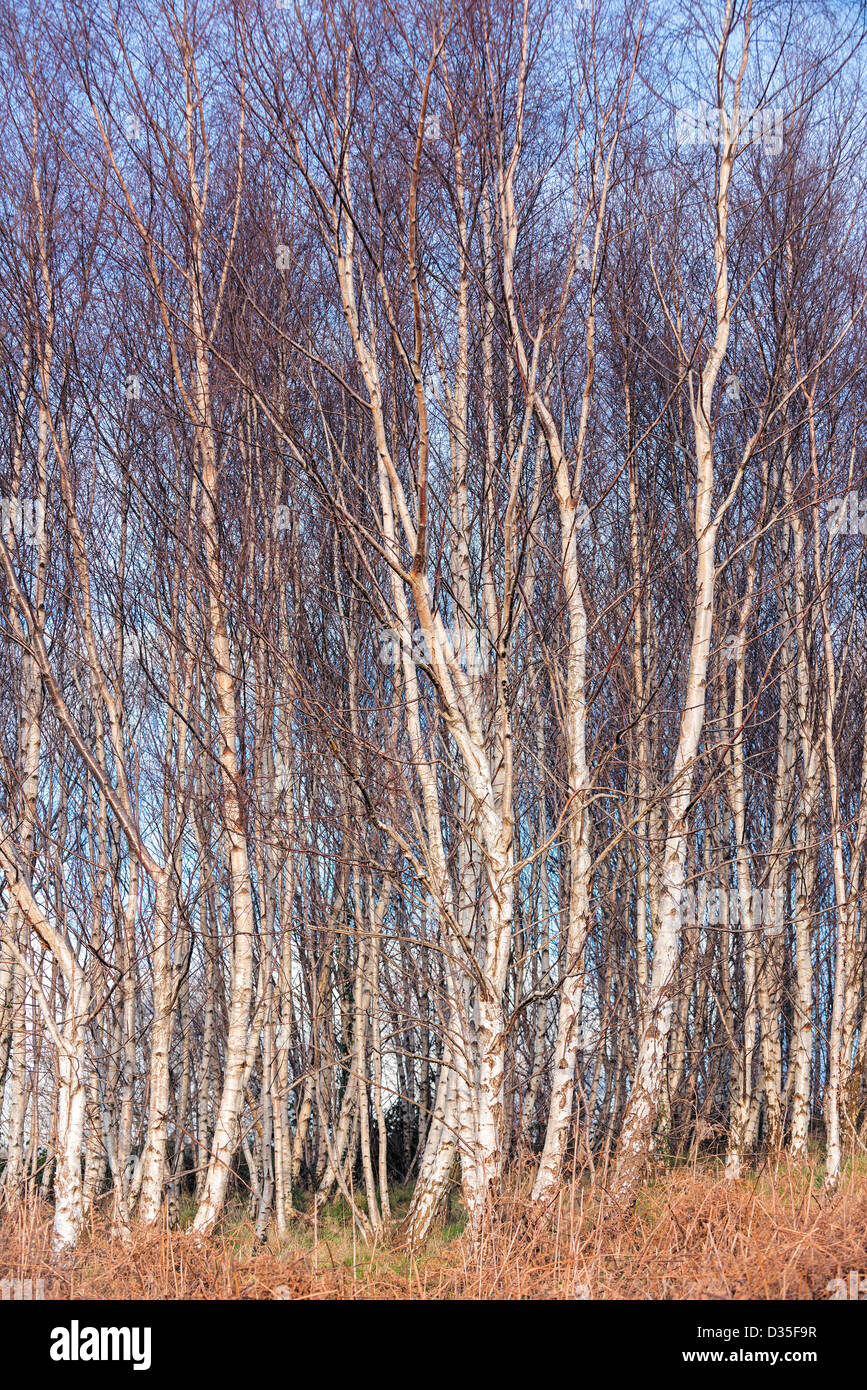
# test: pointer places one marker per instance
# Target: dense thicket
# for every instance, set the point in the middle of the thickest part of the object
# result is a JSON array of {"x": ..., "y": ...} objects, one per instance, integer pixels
[{"x": 433, "y": 599}]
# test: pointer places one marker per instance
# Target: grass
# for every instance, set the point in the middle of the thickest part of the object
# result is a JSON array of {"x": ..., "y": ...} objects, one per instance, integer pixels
[{"x": 772, "y": 1235}]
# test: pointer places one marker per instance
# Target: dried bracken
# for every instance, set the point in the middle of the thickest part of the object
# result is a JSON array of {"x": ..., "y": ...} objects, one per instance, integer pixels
[{"x": 694, "y": 1235}]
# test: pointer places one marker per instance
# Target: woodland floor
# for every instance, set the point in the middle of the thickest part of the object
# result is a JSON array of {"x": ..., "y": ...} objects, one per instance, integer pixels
[{"x": 772, "y": 1235}]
